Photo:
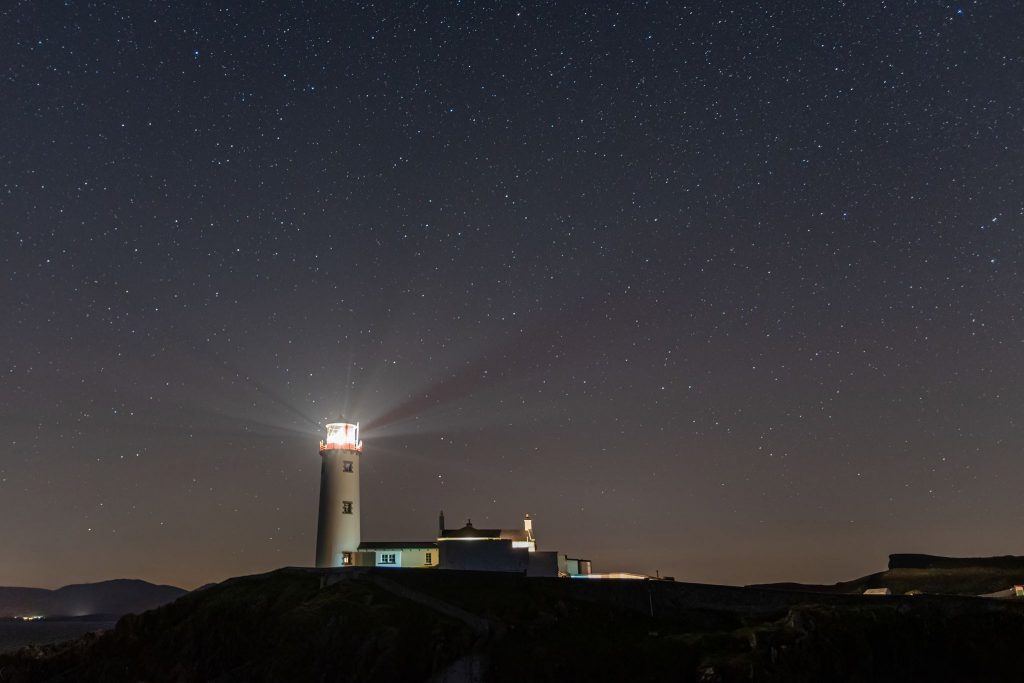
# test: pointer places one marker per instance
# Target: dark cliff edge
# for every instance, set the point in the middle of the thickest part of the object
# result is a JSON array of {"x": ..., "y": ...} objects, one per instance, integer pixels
[{"x": 432, "y": 625}]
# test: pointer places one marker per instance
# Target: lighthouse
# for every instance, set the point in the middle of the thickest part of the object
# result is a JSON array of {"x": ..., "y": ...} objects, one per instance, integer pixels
[{"x": 337, "y": 532}]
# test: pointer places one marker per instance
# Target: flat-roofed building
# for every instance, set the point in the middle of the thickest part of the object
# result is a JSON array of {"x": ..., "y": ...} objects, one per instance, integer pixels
[{"x": 497, "y": 550}]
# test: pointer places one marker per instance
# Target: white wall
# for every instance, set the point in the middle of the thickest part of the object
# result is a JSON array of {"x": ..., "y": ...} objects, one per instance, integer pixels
[{"x": 408, "y": 557}]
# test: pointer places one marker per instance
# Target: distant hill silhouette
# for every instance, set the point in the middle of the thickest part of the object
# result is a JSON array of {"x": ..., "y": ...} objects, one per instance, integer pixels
[
  {"x": 916, "y": 573},
  {"x": 117, "y": 597},
  {"x": 918, "y": 561}
]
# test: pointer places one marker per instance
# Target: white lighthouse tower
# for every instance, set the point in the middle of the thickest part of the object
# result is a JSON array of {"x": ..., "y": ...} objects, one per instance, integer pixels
[{"x": 337, "y": 532}]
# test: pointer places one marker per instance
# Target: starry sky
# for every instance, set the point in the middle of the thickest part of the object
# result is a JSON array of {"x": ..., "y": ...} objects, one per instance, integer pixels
[{"x": 730, "y": 291}]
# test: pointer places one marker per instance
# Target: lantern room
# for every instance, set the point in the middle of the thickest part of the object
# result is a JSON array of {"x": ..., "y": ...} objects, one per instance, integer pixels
[{"x": 342, "y": 436}]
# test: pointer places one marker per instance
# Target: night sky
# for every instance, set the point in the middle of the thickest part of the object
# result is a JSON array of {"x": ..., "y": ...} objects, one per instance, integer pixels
[{"x": 729, "y": 291}]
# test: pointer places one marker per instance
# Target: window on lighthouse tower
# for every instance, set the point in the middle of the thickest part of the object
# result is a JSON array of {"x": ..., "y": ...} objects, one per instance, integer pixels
[
  {"x": 346, "y": 466},
  {"x": 346, "y": 507}
]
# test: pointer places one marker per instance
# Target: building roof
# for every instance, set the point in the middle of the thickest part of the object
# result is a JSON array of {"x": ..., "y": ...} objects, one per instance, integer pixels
[
  {"x": 470, "y": 531},
  {"x": 396, "y": 545}
]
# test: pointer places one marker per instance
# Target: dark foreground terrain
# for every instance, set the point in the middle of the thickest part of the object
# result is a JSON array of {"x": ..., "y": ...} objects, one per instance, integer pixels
[
  {"x": 15, "y": 635},
  {"x": 418, "y": 625}
]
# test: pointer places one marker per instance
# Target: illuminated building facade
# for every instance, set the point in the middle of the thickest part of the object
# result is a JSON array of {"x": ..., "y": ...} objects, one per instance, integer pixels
[{"x": 339, "y": 542}]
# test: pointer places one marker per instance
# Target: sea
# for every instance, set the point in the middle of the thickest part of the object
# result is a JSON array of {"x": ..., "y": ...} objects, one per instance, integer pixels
[{"x": 18, "y": 634}]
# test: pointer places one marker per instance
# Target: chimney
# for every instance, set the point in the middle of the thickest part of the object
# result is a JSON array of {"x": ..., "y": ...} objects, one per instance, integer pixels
[{"x": 440, "y": 521}]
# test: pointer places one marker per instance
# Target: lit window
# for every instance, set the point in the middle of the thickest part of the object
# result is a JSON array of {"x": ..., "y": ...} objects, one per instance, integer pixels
[
  {"x": 346, "y": 507},
  {"x": 429, "y": 559},
  {"x": 346, "y": 466}
]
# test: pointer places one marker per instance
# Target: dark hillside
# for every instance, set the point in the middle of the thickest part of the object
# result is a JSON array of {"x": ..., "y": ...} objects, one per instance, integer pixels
[{"x": 421, "y": 625}]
